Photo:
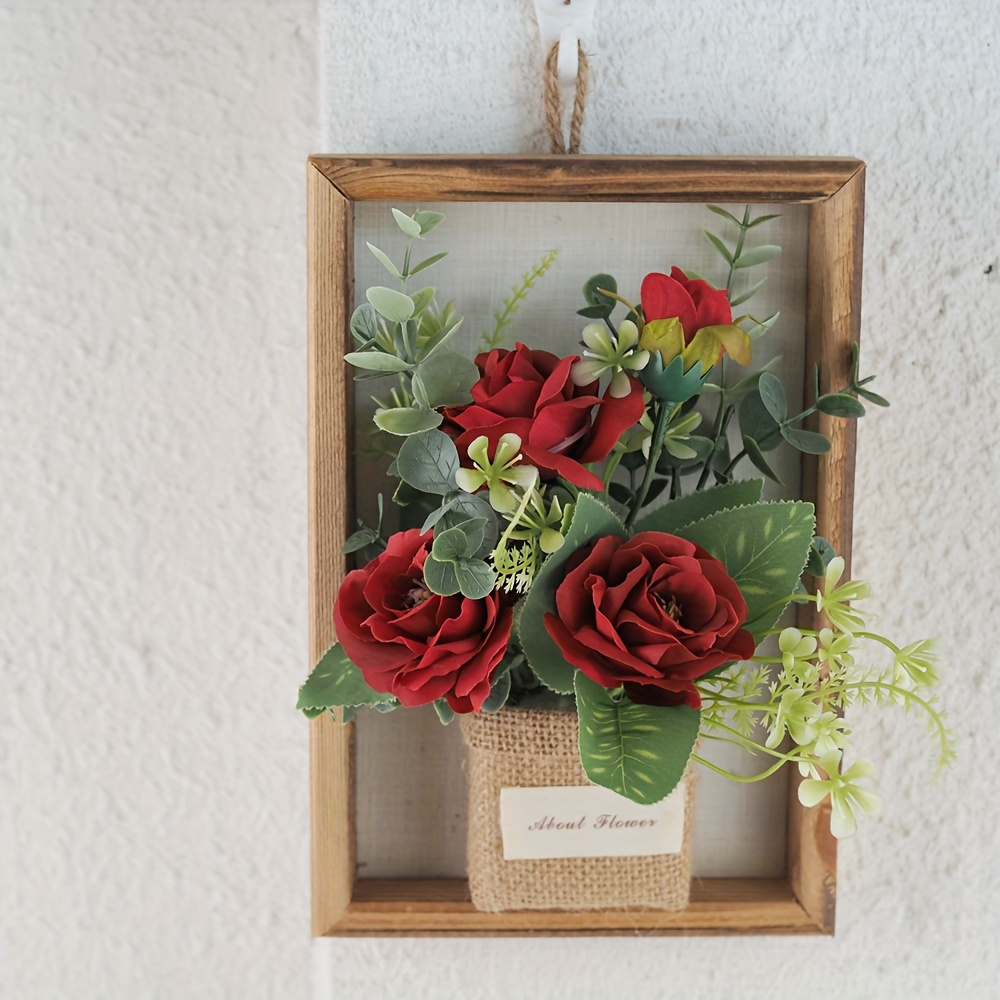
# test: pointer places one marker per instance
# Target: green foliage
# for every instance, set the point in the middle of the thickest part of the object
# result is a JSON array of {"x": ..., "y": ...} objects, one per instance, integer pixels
[
  {"x": 757, "y": 423},
  {"x": 591, "y": 520},
  {"x": 444, "y": 379},
  {"x": 639, "y": 751},
  {"x": 741, "y": 257},
  {"x": 397, "y": 307},
  {"x": 840, "y": 404},
  {"x": 764, "y": 548},
  {"x": 673, "y": 516},
  {"x": 406, "y": 420},
  {"x": 336, "y": 682},
  {"x": 820, "y": 554},
  {"x": 428, "y": 462},
  {"x": 599, "y": 305},
  {"x": 502, "y": 317},
  {"x": 807, "y": 441}
]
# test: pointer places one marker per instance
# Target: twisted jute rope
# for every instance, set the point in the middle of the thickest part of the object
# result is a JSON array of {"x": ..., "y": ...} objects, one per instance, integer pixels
[{"x": 553, "y": 101}]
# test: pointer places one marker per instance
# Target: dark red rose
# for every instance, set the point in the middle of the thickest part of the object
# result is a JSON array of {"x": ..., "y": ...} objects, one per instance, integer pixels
[
  {"x": 417, "y": 645},
  {"x": 693, "y": 301},
  {"x": 530, "y": 394},
  {"x": 653, "y": 613}
]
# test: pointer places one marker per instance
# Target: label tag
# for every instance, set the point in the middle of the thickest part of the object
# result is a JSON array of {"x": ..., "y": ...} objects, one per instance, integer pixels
[{"x": 588, "y": 821}]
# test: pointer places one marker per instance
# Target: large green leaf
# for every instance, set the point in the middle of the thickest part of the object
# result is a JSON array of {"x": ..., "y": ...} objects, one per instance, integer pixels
[
  {"x": 757, "y": 423},
  {"x": 639, "y": 751},
  {"x": 764, "y": 549},
  {"x": 446, "y": 378},
  {"x": 591, "y": 520},
  {"x": 406, "y": 420},
  {"x": 695, "y": 506},
  {"x": 336, "y": 682},
  {"x": 393, "y": 305}
]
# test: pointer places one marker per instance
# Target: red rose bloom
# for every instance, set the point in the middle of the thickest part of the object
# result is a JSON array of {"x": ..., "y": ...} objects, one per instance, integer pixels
[
  {"x": 530, "y": 394},
  {"x": 417, "y": 645},
  {"x": 653, "y": 613},
  {"x": 693, "y": 301}
]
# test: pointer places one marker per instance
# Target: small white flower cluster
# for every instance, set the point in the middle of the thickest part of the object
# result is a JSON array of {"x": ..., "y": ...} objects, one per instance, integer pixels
[{"x": 804, "y": 703}]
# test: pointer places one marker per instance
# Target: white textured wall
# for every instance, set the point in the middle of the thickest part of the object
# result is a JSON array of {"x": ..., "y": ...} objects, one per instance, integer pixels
[{"x": 153, "y": 831}]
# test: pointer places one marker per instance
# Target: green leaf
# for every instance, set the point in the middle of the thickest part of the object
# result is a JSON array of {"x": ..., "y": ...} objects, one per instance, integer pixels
[
  {"x": 447, "y": 377},
  {"x": 756, "y": 421},
  {"x": 762, "y": 218},
  {"x": 594, "y": 312},
  {"x": 451, "y": 545},
  {"x": 421, "y": 300},
  {"x": 444, "y": 711},
  {"x": 839, "y": 404},
  {"x": 395, "y": 306},
  {"x": 314, "y": 713},
  {"x": 377, "y": 361},
  {"x": 807, "y": 441},
  {"x": 409, "y": 226},
  {"x": 427, "y": 221},
  {"x": 429, "y": 462},
  {"x": 499, "y": 695},
  {"x": 595, "y": 298},
  {"x": 772, "y": 394},
  {"x": 440, "y": 577},
  {"x": 762, "y": 326},
  {"x": 695, "y": 506},
  {"x": 756, "y": 455},
  {"x": 749, "y": 293},
  {"x": 335, "y": 682},
  {"x": 873, "y": 397},
  {"x": 427, "y": 262},
  {"x": 591, "y": 520},
  {"x": 820, "y": 554},
  {"x": 360, "y": 539},
  {"x": 720, "y": 246},
  {"x": 724, "y": 214},
  {"x": 639, "y": 751},
  {"x": 384, "y": 260},
  {"x": 758, "y": 255},
  {"x": 475, "y": 578},
  {"x": 364, "y": 323},
  {"x": 764, "y": 549},
  {"x": 406, "y": 420}
]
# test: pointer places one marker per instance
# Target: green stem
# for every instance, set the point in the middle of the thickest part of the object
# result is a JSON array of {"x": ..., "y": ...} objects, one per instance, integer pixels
[
  {"x": 655, "y": 448},
  {"x": 738, "y": 777}
]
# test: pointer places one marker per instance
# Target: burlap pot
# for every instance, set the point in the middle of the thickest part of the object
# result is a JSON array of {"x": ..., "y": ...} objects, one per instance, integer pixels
[{"x": 522, "y": 748}]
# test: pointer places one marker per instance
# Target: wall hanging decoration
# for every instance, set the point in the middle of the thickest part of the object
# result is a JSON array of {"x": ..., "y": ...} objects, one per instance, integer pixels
[{"x": 580, "y": 547}]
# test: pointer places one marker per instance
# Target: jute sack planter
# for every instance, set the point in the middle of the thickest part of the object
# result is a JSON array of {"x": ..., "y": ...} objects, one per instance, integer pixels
[{"x": 523, "y": 748}]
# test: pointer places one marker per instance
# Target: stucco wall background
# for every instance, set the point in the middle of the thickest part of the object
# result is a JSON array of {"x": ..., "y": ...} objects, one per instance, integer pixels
[{"x": 153, "y": 827}]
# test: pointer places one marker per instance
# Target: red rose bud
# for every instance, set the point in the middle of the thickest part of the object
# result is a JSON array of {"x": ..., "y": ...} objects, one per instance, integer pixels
[
  {"x": 693, "y": 301},
  {"x": 653, "y": 613},
  {"x": 562, "y": 426},
  {"x": 414, "y": 644}
]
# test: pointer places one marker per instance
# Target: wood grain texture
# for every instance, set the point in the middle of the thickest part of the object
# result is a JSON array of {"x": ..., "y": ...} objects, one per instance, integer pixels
[
  {"x": 330, "y": 262},
  {"x": 836, "y": 228},
  {"x": 718, "y": 906},
  {"x": 577, "y": 178},
  {"x": 805, "y": 902}
]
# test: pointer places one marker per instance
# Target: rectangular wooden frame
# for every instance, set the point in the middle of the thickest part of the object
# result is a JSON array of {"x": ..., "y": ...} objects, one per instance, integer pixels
[{"x": 804, "y": 900}]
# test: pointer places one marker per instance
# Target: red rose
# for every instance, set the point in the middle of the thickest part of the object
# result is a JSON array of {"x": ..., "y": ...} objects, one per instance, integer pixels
[
  {"x": 414, "y": 644},
  {"x": 530, "y": 394},
  {"x": 653, "y": 613},
  {"x": 693, "y": 301}
]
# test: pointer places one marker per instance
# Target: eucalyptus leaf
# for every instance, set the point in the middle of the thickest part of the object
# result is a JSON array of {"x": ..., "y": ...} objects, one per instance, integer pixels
[
  {"x": 498, "y": 695},
  {"x": 451, "y": 545},
  {"x": 384, "y": 260},
  {"x": 360, "y": 539},
  {"x": 405, "y": 420},
  {"x": 762, "y": 326},
  {"x": 594, "y": 312},
  {"x": 429, "y": 462},
  {"x": 427, "y": 221},
  {"x": 395, "y": 306},
  {"x": 720, "y": 246},
  {"x": 762, "y": 218},
  {"x": 440, "y": 577},
  {"x": 427, "y": 262},
  {"x": 593, "y": 297},
  {"x": 764, "y": 548},
  {"x": 377, "y": 361},
  {"x": 873, "y": 397},
  {"x": 807, "y": 441},
  {"x": 336, "y": 681},
  {"x": 475, "y": 578},
  {"x": 447, "y": 377},
  {"x": 409, "y": 226},
  {"x": 839, "y": 404},
  {"x": 725, "y": 215},
  {"x": 364, "y": 323},
  {"x": 421, "y": 300},
  {"x": 756, "y": 421},
  {"x": 758, "y": 255},
  {"x": 444, "y": 712},
  {"x": 772, "y": 394},
  {"x": 749, "y": 293},
  {"x": 820, "y": 554},
  {"x": 639, "y": 751}
]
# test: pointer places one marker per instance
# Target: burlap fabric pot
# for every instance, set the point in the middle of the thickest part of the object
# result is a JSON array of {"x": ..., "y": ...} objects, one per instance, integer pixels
[{"x": 522, "y": 748}]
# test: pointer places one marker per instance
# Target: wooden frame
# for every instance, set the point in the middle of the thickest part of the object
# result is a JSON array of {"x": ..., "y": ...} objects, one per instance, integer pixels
[{"x": 804, "y": 901}]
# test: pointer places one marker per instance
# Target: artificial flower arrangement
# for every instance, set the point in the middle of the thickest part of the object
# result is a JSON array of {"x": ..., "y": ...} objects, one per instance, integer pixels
[{"x": 576, "y": 531}]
